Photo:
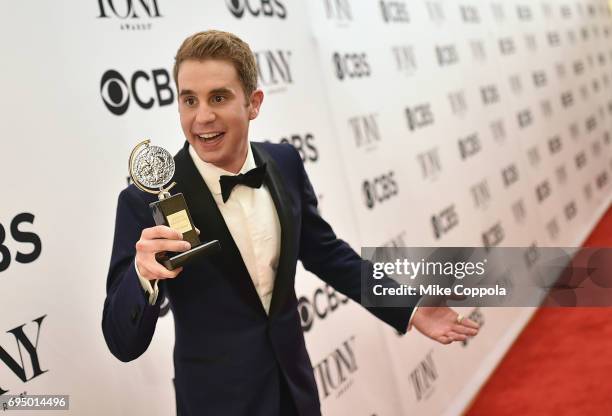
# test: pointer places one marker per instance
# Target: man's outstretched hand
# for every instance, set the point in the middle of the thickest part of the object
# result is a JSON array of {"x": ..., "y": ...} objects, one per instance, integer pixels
[{"x": 440, "y": 324}]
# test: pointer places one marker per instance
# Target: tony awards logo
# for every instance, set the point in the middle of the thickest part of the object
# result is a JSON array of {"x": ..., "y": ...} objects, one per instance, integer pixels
[{"x": 151, "y": 169}]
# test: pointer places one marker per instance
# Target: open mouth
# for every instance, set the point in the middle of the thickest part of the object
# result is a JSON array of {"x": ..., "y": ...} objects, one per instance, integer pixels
[{"x": 210, "y": 137}]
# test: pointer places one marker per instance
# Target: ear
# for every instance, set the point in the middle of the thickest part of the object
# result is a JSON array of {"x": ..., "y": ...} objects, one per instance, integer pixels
[{"x": 255, "y": 101}]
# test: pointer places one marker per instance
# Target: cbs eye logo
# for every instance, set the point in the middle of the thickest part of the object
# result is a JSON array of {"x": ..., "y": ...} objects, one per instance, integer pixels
[{"x": 116, "y": 92}]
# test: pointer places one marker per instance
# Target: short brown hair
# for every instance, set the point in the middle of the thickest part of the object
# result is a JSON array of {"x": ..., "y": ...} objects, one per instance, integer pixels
[{"x": 216, "y": 44}]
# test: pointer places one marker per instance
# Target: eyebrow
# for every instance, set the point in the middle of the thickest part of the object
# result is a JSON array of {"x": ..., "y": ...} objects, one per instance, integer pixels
[
  {"x": 222, "y": 90},
  {"x": 186, "y": 92}
]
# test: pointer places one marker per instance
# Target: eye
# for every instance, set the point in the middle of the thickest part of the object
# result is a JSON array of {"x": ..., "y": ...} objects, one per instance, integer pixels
[
  {"x": 218, "y": 99},
  {"x": 189, "y": 101}
]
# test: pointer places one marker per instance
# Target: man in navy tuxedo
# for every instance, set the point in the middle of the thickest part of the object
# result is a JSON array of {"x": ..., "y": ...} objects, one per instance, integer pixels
[{"x": 239, "y": 345}]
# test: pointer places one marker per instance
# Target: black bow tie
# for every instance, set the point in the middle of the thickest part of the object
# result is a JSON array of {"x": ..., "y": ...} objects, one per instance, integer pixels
[{"x": 253, "y": 178}]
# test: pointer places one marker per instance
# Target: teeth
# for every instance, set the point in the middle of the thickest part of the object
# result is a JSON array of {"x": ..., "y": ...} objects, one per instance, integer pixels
[{"x": 208, "y": 136}]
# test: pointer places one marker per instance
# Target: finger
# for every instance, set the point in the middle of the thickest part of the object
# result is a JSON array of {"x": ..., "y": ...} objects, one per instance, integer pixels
[
  {"x": 197, "y": 230},
  {"x": 161, "y": 231},
  {"x": 460, "y": 329},
  {"x": 155, "y": 246},
  {"x": 160, "y": 272},
  {"x": 469, "y": 323},
  {"x": 444, "y": 340},
  {"x": 455, "y": 336}
]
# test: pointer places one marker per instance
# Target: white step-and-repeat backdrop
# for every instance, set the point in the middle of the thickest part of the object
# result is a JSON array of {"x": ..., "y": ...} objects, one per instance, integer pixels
[{"x": 421, "y": 123}]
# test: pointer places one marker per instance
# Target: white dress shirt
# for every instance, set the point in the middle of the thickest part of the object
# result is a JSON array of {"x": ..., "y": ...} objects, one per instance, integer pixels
[{"x": 252, "y": 220}]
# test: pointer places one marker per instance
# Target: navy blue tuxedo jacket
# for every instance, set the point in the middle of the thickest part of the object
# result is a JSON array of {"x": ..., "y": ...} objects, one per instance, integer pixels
[{"x": 229, "y": 355}]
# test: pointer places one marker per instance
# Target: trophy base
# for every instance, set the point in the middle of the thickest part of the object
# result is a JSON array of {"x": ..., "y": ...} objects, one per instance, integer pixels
[
  {"x": 173, "y": 261},
  {"x": 173, "y": 212}
]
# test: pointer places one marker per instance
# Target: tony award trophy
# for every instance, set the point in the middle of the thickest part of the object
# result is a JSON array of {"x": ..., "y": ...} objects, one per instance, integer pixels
[{"x": 151, "y": 168}]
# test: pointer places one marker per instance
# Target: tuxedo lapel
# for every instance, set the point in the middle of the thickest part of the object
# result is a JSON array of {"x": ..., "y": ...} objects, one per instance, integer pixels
[
  {"x": 283, "y": 283},
  {"x": 208, "y": 219}
]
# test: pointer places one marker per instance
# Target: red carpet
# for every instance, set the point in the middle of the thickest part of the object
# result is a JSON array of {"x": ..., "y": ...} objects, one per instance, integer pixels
[{"x": 561, "y": 364}]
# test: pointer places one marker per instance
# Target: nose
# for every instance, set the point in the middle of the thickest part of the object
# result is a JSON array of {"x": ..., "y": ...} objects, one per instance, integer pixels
[{"x": 205, "y": 114}]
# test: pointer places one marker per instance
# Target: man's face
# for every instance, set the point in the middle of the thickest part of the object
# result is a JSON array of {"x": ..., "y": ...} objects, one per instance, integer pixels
[{"x": 214, "y": 111}]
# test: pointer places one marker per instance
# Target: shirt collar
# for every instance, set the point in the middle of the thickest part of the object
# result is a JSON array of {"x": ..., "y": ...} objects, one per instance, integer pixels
[{"x": 211, "y": 173}]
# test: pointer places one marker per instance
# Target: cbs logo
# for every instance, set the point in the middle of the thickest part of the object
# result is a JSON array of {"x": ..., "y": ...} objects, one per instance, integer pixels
[
  {"x": 324, "y": 301},
  {"x": 304, "y": 145},
  {"x": 352, "y": 65},
  {"x": 268, "y": 8},
  {"x": 146, "y": 89},
  {"x": 380, "y": 189}
]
